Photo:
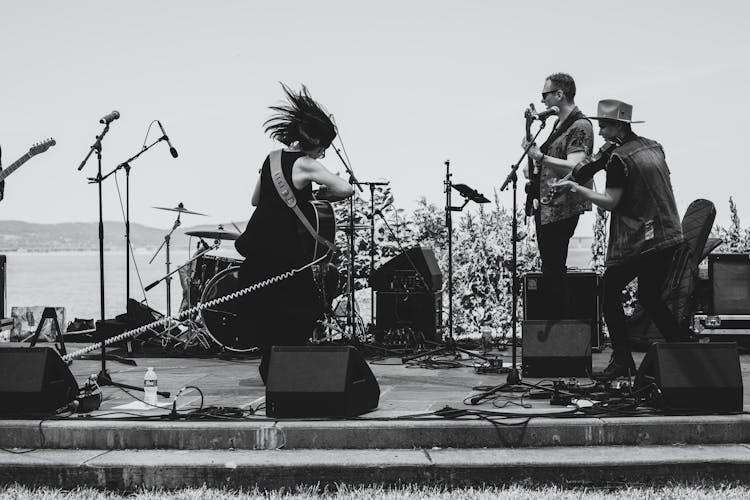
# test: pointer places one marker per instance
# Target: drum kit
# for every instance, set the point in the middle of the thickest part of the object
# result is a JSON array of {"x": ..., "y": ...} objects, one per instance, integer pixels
[{"x": 203, "y": 277}]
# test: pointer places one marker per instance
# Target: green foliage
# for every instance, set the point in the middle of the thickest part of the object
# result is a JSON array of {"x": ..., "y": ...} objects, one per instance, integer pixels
[{"x": 734, "y": 238}]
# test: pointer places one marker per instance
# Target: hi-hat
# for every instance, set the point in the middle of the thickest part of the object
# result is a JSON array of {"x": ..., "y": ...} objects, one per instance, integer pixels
[
  {"x": 181, "y": 209},
  {"x": 214, "y": 235},
  {"x": 357, "y": 227}
]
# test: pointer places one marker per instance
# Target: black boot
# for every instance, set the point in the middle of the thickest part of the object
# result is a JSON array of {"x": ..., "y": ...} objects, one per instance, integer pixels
[{"x": 615, "y": 369}]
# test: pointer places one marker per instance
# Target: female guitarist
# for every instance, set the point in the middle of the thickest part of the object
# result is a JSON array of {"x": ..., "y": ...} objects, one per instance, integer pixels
[{"x": 275, "y": 240}]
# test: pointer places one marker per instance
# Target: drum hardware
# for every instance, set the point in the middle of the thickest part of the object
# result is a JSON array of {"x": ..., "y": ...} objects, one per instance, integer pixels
[
  {"x": 214, "y": 235},
  {"x": 167, "y": 278},
  {"x": 180, "y": 209}
]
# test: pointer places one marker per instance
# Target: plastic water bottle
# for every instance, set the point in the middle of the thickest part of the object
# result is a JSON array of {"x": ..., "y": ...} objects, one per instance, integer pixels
[{"x": 150, "y": 386}]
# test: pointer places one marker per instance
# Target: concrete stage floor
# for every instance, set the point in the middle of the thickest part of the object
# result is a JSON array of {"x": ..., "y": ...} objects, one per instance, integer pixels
[{"x": 125, "y": 444}]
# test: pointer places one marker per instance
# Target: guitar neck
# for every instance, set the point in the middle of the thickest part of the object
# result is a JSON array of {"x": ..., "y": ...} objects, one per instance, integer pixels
[{"x": 14, "y": 166}]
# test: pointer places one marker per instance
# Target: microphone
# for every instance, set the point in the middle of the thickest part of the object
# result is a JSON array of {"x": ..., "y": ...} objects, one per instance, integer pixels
[
  {"x": 543, "y": 115},
  {"x": 114, "y": 115},
  {"x": 172, "y": 150}
]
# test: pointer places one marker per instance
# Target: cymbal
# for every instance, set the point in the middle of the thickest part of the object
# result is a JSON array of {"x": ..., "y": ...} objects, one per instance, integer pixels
[
  {"x": 214, "y": 235},
  {"x": 357, "y": 227},
  {"x": 181, "y": 209}
]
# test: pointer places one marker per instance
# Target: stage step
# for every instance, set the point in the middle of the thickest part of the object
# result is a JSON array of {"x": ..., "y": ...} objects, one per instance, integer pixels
[
  {"x": 571, "y": 466},
  {"x": 364, "y": 434}
]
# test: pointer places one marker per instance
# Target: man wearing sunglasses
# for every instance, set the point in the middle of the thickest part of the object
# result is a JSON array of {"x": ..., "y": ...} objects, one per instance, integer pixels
[
  {"x": 644, "y": 230},
  {"x": 570, "y": 142}
]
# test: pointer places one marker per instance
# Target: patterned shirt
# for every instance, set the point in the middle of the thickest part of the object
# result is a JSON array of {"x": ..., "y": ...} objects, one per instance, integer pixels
[{"x": 579, "y": 137}]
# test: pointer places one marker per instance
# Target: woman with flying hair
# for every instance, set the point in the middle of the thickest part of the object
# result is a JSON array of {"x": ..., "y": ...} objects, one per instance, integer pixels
[{"x": 284, "y": 313}]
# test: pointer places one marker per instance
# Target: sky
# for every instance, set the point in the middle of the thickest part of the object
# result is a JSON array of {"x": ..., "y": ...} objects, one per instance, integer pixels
[{"x": 411, "y": 84}]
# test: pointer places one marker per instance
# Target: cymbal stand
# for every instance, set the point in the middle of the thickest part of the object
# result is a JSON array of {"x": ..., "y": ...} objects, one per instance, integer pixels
[
  {"x": 513, "y": 382},
  {"x": 168, "y": 276},
  {"x": 450, "y": 346}
]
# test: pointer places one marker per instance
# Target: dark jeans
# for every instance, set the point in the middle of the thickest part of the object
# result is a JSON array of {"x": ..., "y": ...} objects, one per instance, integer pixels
[
  {"x": 553, "y": 240},
  {"x": 651, "y": 272}
]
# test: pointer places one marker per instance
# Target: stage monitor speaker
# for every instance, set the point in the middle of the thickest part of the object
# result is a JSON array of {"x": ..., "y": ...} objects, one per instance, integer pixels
[
  {"x": 399, "y": 273},
  {"x": 556, "y": 348},
  {"x": 691, "y": 376},
  {"x": 729, "y": 275},
  {"x": 583, "y": 300},
  {"x": 319, "y": 381},
  {"x": 34, "y": 380},
  {"x": 421, "y": 312}
]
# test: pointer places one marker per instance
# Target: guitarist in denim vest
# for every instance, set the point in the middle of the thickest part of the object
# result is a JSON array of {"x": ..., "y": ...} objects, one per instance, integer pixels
[
  {"x": 644, "y": 231},
  {"x": 569, "y": 143}
]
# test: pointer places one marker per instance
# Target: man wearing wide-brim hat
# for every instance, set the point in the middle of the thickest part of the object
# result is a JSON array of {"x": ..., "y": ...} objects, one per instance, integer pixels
[{"x": 644, "y": 229}]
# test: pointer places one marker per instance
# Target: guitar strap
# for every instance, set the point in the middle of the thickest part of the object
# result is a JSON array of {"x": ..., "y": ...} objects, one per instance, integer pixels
[
  {"x": 560, "y": 128},
  {"x": 286, "y": 194}
]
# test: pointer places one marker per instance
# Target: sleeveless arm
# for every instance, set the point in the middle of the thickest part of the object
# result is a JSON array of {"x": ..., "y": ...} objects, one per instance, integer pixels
[{"x": 307, "y": 170}]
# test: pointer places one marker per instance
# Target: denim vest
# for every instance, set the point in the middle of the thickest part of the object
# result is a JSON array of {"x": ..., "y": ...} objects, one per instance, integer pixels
[{"x": 646, "y": 219}]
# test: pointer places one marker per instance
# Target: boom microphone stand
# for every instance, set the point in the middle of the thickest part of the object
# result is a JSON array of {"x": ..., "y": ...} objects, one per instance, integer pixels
[
  {"x": 103, "y": 378},
  {"x": 469, "y": 194},
  {"x": 513, "y": 382},
  {"x": 126, "y": 166}
]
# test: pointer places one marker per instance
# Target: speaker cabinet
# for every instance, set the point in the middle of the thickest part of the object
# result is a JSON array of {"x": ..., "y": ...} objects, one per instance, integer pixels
[
  {"x": 421, "y": 312},
  {"x": 319, "y": 381},
  {"x": 401, "y": 272},
  {"x": 729, "y": 275},
  {"x": 583, "y": 300},
  {"x": 556, "y": 348},
  {"x": 692, "y": 376},
  {"x": 34, "y": 380}
]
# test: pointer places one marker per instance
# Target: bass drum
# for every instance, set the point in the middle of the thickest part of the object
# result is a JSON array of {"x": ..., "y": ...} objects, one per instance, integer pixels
[{"x": 220, "y": 320}]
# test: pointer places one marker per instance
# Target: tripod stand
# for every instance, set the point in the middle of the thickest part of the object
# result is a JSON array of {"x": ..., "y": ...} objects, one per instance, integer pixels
[{"x": 468, "y": 194}]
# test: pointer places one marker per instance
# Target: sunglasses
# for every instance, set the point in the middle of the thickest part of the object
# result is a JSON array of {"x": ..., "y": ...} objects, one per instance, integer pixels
[{"x": 545, "y": 94}]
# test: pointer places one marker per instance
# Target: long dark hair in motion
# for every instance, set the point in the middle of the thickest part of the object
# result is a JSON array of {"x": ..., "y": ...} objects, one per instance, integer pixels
[{"x": 300, "y": 119}]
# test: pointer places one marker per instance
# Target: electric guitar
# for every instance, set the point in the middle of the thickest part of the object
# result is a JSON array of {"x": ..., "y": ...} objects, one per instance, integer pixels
[
  {"x": 532, "y": 185},
  {"x": 34, "y": 150}
]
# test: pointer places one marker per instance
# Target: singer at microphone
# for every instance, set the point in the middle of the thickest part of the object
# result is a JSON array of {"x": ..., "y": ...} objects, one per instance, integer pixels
[
  {"x": 570, "y": 141},
  {"x": 164, "y": 137}
]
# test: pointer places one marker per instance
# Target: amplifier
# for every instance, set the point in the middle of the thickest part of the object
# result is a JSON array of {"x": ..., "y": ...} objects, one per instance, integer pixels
[
  {"x": 422, "y": 312},
  {"x": 556, "y": 348},
  {"x": 402, "y": 272},
  {"x": 584, "y": 302},
  {"x": 729, "y": 275}
]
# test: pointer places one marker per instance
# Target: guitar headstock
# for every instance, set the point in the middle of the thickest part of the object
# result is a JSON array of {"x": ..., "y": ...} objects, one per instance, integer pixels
[
  {"x": 529, "y": 115},
  {"x": 41, "y": 147}
]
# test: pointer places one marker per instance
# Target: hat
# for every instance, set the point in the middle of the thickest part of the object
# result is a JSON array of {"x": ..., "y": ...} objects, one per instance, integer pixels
[{"x": 612, "y": 109}]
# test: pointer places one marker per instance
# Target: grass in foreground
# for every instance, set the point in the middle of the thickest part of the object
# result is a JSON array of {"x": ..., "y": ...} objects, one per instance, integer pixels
[{"x": 672, "y": 492}]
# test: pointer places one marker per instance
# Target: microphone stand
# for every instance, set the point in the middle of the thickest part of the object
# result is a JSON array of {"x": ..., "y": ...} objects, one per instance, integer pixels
[
  {"x": 373, "y": 185},
  {"x": 104, "y": 378},
  {"x": 350, "y": 309},
  {"x": 469, "y": 194},
  {"x": 513, "y": 382},
  {"x": 126, "y": 166}
]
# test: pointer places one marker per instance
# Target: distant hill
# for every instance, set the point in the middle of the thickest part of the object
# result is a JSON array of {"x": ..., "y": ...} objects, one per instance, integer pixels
[{"x": 75, "y": 236}]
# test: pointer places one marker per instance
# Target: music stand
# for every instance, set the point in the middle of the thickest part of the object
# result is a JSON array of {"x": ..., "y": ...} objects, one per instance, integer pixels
[{"x": 469, "y": 194}]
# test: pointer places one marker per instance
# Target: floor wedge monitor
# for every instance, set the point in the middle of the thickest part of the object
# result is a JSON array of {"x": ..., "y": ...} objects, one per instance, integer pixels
[
  {"x": 34, "y": 380},
  {"x": 694, "y": 377},
  {"x": 319, "y": 381}
]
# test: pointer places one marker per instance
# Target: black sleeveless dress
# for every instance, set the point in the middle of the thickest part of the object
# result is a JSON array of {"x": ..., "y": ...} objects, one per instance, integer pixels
[{"x": 282, "y": 313}]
